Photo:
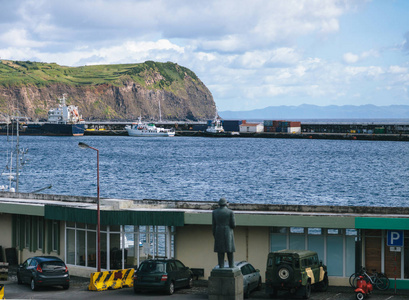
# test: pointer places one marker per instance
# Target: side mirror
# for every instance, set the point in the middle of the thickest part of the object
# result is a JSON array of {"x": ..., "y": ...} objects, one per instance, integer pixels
[
  {"x": 257, "y": 270},
  {"x": 20, "y": 265}
]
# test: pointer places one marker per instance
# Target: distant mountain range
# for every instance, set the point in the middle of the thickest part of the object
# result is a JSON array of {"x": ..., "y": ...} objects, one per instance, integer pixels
[{"x": 306, "y": 111}]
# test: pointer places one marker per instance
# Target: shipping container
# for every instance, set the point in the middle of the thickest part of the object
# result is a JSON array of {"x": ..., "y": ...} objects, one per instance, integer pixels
[
  {"x": 294, "y": 129},
  {"x": 269, "y": 129},
  {"x": 379, "y": 130},
  {"x": 294, "y": 124},
  {"x": 199, "y": 127},
  {"x": 231, "y": 125}
]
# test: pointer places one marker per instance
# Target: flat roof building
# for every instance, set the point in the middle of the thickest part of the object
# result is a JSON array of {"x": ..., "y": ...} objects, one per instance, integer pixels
[{"x": 345, "y": 237}]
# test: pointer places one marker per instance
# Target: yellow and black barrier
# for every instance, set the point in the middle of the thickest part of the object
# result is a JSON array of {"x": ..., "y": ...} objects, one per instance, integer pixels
[
  {"x": 1, "y": 291},
  {"x": 101, "y": 281}
]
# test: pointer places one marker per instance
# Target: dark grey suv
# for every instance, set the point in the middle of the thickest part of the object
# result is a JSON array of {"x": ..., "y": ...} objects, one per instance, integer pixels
[
  {"x": 162, "y": 274},
  {"x": 43, "y": 271}
]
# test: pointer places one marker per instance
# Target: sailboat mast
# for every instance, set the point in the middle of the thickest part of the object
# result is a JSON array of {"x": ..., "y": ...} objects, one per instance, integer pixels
[
  {"x": 17, "y": 155},
  {"x": 160, "y": 114}
]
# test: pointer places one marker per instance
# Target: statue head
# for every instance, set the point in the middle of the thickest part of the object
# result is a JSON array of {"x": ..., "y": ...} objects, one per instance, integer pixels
[{"x": 222, "y": 202}]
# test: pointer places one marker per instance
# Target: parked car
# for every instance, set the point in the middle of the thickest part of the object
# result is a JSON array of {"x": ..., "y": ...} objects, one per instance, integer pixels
[
  {"x": 43, "y": 271},
  {"x": 296, "y": 271},
  {"x": 162, "y": 274},
  {"x": 251, "y": 277}
]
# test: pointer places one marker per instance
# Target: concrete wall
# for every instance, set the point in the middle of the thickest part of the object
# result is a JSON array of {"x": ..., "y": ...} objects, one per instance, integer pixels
[
  {"x": 194, "y": 246},
  {"x": 5, "y": 235}
]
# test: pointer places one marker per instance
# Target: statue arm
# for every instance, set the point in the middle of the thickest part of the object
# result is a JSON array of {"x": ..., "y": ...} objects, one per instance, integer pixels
[
  {"x": 232, "y": 220},
  {"x": 213, "y": 224}
]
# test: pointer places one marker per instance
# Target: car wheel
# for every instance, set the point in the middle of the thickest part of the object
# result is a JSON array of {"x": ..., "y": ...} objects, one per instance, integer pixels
[
  {"x": 66, "y": 286},
  {"x": 171, "y": 288},
  {"x": 285, "y": 273},
  {"x": 246, "y": 292},
  {"x": 323, "y": 285},
  {"x": 33, "y": 285},
  {"x": 190, "y": 282},
  {"x": 307, "y": 291},
  {"x": 259, "y": 285},
  {"x": 274, "y": 294}
]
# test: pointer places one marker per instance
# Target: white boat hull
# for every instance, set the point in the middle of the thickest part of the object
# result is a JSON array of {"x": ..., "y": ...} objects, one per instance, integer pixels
[{"x": 136, "y": 132}]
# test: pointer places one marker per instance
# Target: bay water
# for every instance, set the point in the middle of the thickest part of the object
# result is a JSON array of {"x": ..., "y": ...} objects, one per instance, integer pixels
[{"x": 243, "y": 170}]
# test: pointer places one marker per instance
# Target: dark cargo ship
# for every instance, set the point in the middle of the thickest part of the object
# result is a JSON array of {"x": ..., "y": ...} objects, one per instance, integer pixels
[{"x": 62, "y": 121}]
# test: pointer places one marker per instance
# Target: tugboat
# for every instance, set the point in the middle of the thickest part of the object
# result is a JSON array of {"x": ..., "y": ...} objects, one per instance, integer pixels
[
  {"x": 215, "y": 126},
  {"x": 62, "y": 121}
]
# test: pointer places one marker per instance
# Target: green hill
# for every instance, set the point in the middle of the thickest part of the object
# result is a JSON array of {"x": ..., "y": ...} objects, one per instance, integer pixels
[
  {"x": 42, "y": 74},
  {"x": 184, "y": 95}
]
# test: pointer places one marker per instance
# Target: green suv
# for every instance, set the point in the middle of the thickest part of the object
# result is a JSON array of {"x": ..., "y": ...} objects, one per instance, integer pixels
[{"x": 295, "y": 271}]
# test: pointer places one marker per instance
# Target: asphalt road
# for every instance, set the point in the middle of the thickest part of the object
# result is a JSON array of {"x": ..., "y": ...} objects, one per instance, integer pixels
[{"x": 78, "y": 290}]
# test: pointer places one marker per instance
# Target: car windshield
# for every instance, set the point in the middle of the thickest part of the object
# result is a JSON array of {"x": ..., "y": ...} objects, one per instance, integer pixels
[
  {"x": 152, "y": 266},
  {"x": 50, "y": 265}
]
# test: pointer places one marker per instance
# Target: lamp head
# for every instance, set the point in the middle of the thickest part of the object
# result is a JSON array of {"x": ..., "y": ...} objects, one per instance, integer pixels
[{"x": 82, "y": 145}]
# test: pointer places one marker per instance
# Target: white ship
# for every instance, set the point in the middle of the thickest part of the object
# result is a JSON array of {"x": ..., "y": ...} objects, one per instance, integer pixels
[
  {"x": 147, "y": 129},
  {"x": 215, "y": 126}
]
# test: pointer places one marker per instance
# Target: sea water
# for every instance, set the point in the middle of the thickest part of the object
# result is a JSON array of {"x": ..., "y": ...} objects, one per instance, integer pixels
[{"x": 243, "y": 170}]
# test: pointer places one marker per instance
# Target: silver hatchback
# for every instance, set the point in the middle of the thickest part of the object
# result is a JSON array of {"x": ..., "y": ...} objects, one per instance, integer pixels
[{"x": 251, "y": 277}]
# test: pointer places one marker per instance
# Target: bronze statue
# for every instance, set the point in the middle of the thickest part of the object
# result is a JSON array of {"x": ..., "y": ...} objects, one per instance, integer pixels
[{"x": 223, "y": 223}]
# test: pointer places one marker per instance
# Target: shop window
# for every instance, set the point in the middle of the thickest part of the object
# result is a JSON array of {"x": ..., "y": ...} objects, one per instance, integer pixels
[
  {"x": 314, "y": 231},
  {"x": 91, "y": 249},
  {"x": 316, "y": 241},
  {"x": 55, "y": 235},
  {"x": 17, "y": 231},
  {"x": 80, "y": 248},
  {"x": 278, "y": 238},
  {"x": 297, "y": 238},
  {"x": 120, "y": 247},
  {"x": 282, "y": 230},
  {"x": 70, "y": 249},
  {"x": 334, "y": 231},
  {"x": 40, "y": 233},
  {"x": 406, "y": 255},
  {"x": 27, "y": 232},
  {"x": 299, "y": 230},
  {"x": 350, "y": 243},
  {"x": 335, "y": 256}
]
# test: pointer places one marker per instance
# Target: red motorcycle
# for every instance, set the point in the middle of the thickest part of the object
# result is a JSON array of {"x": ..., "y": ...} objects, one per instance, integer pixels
[{"x": 363, "y": 288}]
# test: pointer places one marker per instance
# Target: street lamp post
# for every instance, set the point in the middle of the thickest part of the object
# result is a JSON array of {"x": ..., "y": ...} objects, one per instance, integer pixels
[{"x": 84, "y": 146}]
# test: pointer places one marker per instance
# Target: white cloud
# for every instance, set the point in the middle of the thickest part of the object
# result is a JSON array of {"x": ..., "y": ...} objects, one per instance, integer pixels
[
  {"x": 19, "y": 38},
  {"x": 350, "y": 58},
  {"x": 257, "y": 51},
  {"x": 397, "y": 70}
]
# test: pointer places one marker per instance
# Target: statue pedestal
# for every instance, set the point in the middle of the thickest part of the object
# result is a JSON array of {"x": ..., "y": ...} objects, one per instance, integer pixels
[{"x": 225, "y": 284}]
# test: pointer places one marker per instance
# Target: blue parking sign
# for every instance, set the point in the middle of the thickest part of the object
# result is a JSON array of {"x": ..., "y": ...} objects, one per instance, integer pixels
[{"x": 395, "y": 238}]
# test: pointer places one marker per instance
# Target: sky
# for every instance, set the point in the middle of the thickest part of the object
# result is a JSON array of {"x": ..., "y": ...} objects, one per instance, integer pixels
[{"x": 251, "y": 54}]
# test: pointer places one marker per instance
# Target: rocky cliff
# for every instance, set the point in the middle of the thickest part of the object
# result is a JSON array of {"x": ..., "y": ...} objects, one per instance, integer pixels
[{"x": 105, "y": 92}]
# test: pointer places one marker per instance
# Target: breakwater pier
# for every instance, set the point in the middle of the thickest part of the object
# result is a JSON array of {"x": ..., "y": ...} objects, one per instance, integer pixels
[{"x": 371, "y": 131}]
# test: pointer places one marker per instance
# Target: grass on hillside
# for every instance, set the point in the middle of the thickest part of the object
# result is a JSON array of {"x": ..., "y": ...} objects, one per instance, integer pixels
[{"x": 17, "y": 73}]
